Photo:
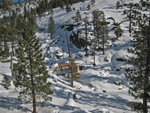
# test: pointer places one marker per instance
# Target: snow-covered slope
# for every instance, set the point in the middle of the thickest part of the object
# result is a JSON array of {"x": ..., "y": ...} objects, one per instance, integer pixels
[{"x": 97, "y": 90}]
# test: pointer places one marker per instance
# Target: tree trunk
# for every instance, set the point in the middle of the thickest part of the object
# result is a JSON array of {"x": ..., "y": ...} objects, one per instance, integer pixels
[
  {"x": 94, "y": 57},
  {"x": 130, "y": 20},
  {"x": 68, "y": 45},
  {"x": 77, "y": 30},
  {"x": 51, "y": 36},
  {"x": 145, "y": 103},
  {"x": 33, "y": 94},
  {"x": 71, "y": 80},
  {"x": 145, "y": 109},
  {"x": 103, "y": 45},
  {"x": 72, "y": 77},
  {"x": 86, "y": 49},
  {"x": 98, "y": 43},
  {"x": 130, "y": 29},
  {"x": 33, "y": 85},
  {"x": 12, "y": 54},
  {"x": 33, "y": 101}
]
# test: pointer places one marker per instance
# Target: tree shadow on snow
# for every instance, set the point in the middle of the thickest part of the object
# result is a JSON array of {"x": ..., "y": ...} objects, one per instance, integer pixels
[
  {"x": 63, "y": 109},
  {"x": 94, "y": 99},
  {"x": 88, "y": 78},
  {"x": 90, "y": 99},
  {"x": 12, "y": 103}
]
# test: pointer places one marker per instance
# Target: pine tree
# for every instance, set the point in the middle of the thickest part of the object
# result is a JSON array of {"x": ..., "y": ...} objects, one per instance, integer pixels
[
  {"x": 4, "y": 49},
  {"x": 89, "y": 7},
  {"x": 5, "y": 6},
  {"x": 139, "y": 73},
  {"x": 51, "y": 28},
  {"x": 92, "y": 2},
  {"x": 19, "y": 2},
  {"x": 77, "y": 20},
  {"x": 8, "y": 35},
  {"x": 116, "y": 28},
  {"x": 118, "y": 5},
  {"x": 50, "y": 9},
  {"x": 96, "y": 24},
  {"x": 32, "y": 20},
  {"x": 68, "y": 8},
  {"x": 6, "y": 82},
  {"x": 68, "y": 44},
  {"x": 131, "y": 13},
  {"x": 100, "y": 28},
  {"x": 104, "y": 34},
  {"x": 139, "y": 76},
  {"x": 73, "y": 74},
  {"x": 86, "y": 35},
  {"x": 93, "y": 47},
  {"x": 12, "y": 37},
  {"x": 29, "y": 72},
  {"x": 61, "y": 4}
]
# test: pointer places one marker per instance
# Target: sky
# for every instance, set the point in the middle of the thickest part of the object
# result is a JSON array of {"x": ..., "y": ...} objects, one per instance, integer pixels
[{"x": 16, "y": 0}]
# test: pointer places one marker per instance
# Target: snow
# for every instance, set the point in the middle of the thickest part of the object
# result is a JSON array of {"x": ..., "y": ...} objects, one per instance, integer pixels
[{"x": 95, "y": 90}]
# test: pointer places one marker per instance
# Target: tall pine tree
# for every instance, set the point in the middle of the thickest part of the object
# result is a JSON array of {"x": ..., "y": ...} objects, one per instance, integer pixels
[
  {"x": 29, "y": 72},
  {"x": 4, "y": 47},
  {"x": 100, "y": 28},
  {"x": 139, "y": 74},
  {"x": 73, "y": 74},
  {"x": 86, "y": 23},
  {"x": 77, "y": 19},
  {"x": 51, "y": 28}
]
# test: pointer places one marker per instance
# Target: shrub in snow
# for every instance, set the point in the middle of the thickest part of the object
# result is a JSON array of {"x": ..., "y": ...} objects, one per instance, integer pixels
[
  {"x": 6, "y": 82},
  {"x": 136, "y": 106}
]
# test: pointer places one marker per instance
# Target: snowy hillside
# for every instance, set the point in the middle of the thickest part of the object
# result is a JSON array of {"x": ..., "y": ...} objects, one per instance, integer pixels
[{"x": 101, "y": 89}]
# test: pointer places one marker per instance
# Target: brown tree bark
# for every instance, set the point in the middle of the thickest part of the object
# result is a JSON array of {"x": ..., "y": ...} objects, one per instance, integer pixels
[
  {"x": 86, "y": 49},
  {"x": 34, "y": 101}
]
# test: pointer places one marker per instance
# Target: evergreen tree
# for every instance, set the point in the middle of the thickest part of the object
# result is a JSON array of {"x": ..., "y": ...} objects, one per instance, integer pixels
[
  {"x": 86, "y": 23},
  {"x": 93, "y": 47},
  {"x": 29, "y": 72},
  {"x": 51, "y": 28},
  {"x": 89, "y": 7},
  {"x": 19, "y": 2},
  {"x": 116, "y": 28},
  {"x": 68, "y": 8},
  {"x": 33, "y": 11},
  {"x": 73, "y": 71},
  {"x": 96, "y": 24},
  {"x": 50, "y": 9},
  {"x": 4, "y": 34},
  {"x": 12, "y": 37},
  {"x": 92, "y": 2},
  {"x": 6, "y": 82},
  {"x": 139, "y": 74},
  {"x": 13, "y": 40},
  {"x": 68, "y": 44},
  {"x": 131, "y": 13},
  {"x": 5, "y": 6},
  {"x": 61, "y": 3},
  {"x": 8, "y": 32},
  {"x": 77, "y": 19},
  {"x": 118, "y": 5},
  {"x": 32, "y": 19},
  {"x": 104, "y": 34},
  {"x": 100, "y": 28}
]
